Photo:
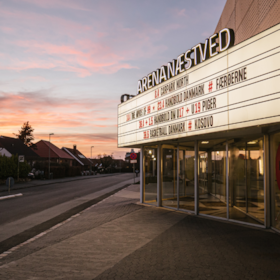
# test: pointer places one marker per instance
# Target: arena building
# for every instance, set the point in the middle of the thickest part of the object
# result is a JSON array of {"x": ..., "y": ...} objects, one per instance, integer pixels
[{"x": 208, "y": 122}]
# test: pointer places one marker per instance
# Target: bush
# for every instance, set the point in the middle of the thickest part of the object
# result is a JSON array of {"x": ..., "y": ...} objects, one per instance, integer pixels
[
  {"x": 24, "y": 169},
  {"x": 9, "y": 167}
]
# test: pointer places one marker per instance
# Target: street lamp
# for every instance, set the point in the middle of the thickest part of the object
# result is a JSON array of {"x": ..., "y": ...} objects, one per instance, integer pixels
[
  {"x": 91, "y": 158},
  {"x": 50, "y": 154}
]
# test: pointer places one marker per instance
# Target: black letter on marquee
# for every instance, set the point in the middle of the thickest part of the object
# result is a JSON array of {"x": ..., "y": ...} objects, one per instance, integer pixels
[
  {"x": 171, "y": 69},
  {"x": 139, "y": 87},
  {"x": 155, "y": 77},
  {"x": 162, "y": 76},
  {"x": 213, "y": 45},
  {"x": 226, "y": 39},
  {"x": 188, "y": 60}
]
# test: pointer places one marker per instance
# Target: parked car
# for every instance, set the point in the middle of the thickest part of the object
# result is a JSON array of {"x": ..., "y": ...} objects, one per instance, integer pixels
[{"x": 31, "y": 175}]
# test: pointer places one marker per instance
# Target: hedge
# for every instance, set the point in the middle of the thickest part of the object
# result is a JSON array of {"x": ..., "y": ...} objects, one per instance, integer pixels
[{"x": 9, "y": 167}]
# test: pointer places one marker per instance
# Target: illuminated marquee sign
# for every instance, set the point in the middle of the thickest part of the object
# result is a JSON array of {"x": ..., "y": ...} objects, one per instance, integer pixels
[
  {"x": 236, "y": 89},
  {"x": 190, "y": 58}
]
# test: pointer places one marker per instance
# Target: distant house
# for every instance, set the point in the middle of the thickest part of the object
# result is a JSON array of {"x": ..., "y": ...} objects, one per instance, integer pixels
[
  {"x": 47, "y": 150},
  {"x": 13, "y": 146},
  {"x": 118, "y": 163},
  {"x": 79, "y": 158},
  {"x": 4, "y": 152},
  {"x": 96, "y": 164}
]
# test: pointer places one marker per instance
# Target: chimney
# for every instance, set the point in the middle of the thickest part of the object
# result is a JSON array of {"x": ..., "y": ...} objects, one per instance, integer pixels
[{"x": 75, "y": 147}]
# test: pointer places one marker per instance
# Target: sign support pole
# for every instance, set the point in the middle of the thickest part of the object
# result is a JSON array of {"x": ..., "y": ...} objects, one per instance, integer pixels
[{"x": 134, "y": 171}]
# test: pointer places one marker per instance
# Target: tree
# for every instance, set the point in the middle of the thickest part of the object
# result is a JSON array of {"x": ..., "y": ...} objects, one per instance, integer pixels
[
  {"x": 26, "y": 135},
  {"x": 106, "y": 160}
]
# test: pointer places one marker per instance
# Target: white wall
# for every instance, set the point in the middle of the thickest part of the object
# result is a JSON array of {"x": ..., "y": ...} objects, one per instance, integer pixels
[{"x": 5, "y": 152}]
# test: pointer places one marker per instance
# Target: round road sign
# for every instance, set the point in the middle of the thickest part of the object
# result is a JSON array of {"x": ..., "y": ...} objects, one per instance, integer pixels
[{"x": 133, "y": 156}]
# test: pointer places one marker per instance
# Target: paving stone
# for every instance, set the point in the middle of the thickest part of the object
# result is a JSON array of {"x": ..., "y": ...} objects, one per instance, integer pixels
[
  {"x": 198, "y": 248},
  {"x": 119, "y": 239}
]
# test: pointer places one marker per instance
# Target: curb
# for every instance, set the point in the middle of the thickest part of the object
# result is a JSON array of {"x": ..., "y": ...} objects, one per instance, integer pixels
[
  {"x": 10, "y": 196},
  {"x": 57, "y": 182}
]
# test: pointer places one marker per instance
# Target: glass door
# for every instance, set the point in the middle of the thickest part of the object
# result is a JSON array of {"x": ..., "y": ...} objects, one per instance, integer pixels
[
  {"x": 169, "y": 176},
  {"x": 246, "y": 181},
  {"x": 212, "y": 178},
  {"x": 186, "y": 179},
  {"x": 150, "y": 175}
]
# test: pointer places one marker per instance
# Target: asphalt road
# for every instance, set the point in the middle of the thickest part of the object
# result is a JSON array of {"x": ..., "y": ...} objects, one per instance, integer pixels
[{"x": 37, "y": 199}]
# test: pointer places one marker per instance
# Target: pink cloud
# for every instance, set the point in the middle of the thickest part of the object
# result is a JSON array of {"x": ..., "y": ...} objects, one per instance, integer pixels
[
  {"x": 97, "y": 58},
  {"x": 45, "y": 98},
  {"x": 57, "y": 4},
  {"x": 102, "y": 51},
  {"x": 7, "y": 29}
]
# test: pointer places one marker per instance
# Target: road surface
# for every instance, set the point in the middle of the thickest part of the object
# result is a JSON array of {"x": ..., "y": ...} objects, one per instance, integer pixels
[{"x": 42, "y": 207}]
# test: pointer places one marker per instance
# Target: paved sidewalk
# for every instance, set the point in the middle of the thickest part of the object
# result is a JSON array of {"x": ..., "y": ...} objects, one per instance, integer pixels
[
  {"x": 122, "y": 239},
  {"x": 37, "y": 183},
  {"x": 28, "y": 226}
]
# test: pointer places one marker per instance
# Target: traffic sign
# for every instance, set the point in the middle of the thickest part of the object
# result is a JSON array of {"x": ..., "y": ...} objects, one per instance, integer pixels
[
  {"x": 10, "y": 182},
  {"x": 133, "y": 156},
  {"x": 133, "y": 161},
  {"x": 20, "y": 158}
]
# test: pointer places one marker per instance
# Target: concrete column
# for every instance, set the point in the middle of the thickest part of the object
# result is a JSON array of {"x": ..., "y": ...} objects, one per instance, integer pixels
[
  {"x": 209, "y": 173},
  {"x": 174, "y": 159},
  {"x": 196, "y": 184},
  {"x": 267, "y": 190},
  {"x": 142, "y": 174},
  {"x": 178, "y": 179},
  {"x": 159, "y": 176},
  {"x": 184, "y": 171},
  {"x": 227, "y": 179}
]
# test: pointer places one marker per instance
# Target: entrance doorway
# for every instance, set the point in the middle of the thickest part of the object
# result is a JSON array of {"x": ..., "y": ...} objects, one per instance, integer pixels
[
  {"x": 150, "y": 175},
  {"x": 186, "y": 177},
  {"x": 246, "y": 181},
  {"x": 169, "y": 176},
  {"x": 212, "y": 178}
]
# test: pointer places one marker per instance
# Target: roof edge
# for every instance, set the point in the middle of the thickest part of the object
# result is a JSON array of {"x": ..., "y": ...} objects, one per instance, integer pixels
[{"x": 66, "y": 150}]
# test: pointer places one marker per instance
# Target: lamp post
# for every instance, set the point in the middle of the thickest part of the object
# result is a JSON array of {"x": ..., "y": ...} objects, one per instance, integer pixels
[
  {"x": 91, "y": 157},
  {"x": 50, "y": 154}
]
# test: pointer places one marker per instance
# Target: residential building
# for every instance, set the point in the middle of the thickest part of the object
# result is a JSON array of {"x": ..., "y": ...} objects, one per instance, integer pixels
[
  {"x": 47, "y": 150},
  {"x": 13, "y": 146},
  {"x": 79, "y": 158}
]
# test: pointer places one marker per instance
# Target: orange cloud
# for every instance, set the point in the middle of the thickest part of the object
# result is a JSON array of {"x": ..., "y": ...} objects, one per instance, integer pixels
[{"x": 58, "y": 115}]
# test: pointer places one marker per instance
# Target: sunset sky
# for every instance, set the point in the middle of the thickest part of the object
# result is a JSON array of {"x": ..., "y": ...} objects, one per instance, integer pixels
[{"x": 65, "y": 64}]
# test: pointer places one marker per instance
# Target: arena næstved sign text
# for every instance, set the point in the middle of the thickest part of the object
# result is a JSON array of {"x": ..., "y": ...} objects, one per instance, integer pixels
[{"x": 184, "y": 61}]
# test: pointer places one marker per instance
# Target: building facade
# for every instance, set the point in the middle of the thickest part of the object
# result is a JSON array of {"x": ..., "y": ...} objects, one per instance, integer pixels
[
  {"x": 208, "y": 123},
  {"x": 48, "y": 151},
  {"x": 79, "y": 158},
  {"x": 13, "y": 146}
]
